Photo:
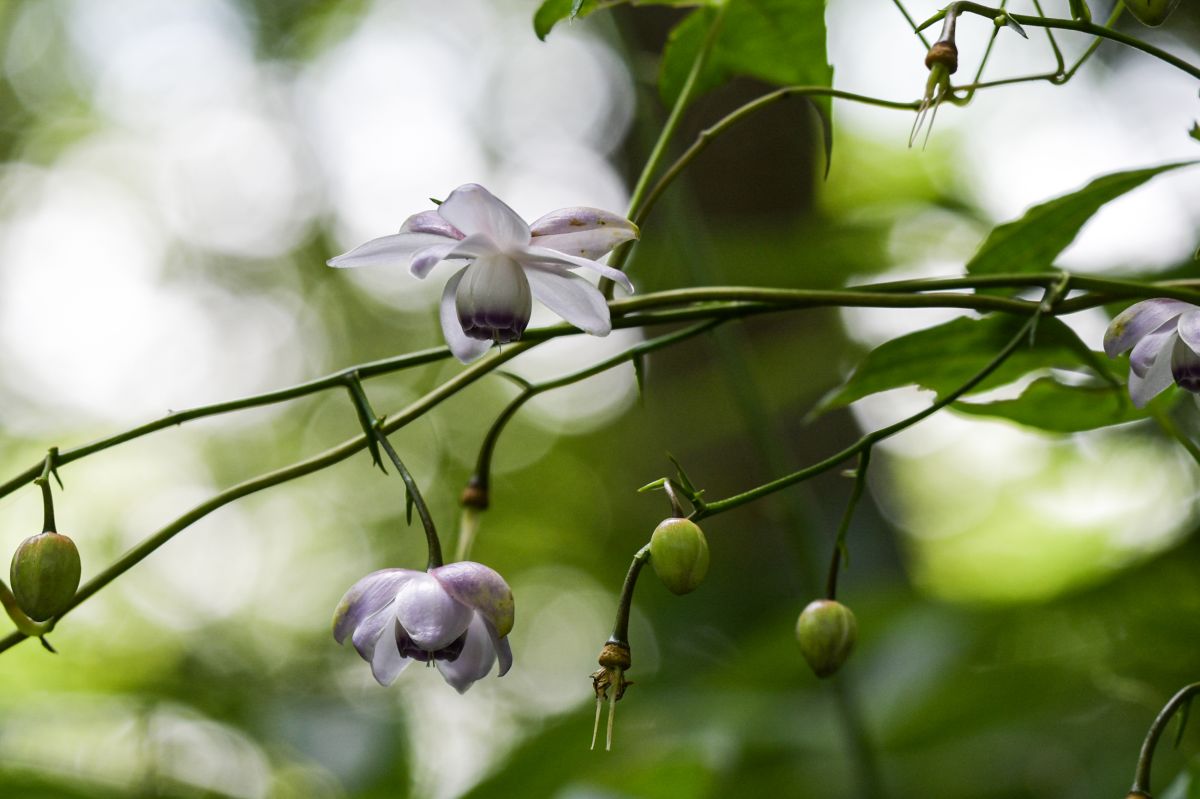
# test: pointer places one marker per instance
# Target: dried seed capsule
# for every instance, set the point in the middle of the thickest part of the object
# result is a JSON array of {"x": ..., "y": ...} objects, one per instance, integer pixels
[
  {"x": 826, "y": 631},
  {"x": 45, "y": 573},
  {"x": 679, "y": 554}
]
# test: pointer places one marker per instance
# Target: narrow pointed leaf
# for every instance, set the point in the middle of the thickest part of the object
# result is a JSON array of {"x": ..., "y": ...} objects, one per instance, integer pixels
[
  {"x": 1031, "y": 243},
  {"x": 1047, "y": 404},
  {"x": 944, "y": 357},
  {"x": 639, "y": 374}
]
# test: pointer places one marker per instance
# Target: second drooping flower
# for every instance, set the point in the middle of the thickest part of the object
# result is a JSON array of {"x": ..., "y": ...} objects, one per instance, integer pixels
[
  {"x": 508, "y": 264},
  {"x": 1163, "y": 337}
]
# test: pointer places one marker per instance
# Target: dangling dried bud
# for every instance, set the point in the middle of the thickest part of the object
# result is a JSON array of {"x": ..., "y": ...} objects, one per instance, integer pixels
[
  {"x": 944, "y": 53},
  {"x": 475, "y": 495},
  {"x": 826, "y": 631},
  {"x": 610, "y": 684},
  {"x": 942, "y": 62},
  {"x": 45, "y": 574}
]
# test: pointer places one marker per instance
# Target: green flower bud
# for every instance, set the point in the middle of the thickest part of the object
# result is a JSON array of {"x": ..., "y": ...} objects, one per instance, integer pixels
[
  {"x": 44, "y": 574},
  {"x": 1151, "y": 12},
  {"x": 826, "y": 631},
  {"x": 679, "y": 554}
]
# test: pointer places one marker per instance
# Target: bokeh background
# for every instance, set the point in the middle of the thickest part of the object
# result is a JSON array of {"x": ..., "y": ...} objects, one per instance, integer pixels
[{"x": 173, "y": 177}]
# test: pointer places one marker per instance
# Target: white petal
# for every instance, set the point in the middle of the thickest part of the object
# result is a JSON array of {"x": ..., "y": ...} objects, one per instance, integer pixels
[
  {"x": 425, "y": 260},
  {"x": 387, "y": 662},
  {"x": 431, "y": 617},
  {"x": 503, "y": 650},
  {"x": 1157, "y": 378},
  {"x": 430, "y": 222},
  {"x": 465, "y": 348},
  {"x": 585, "y": 232},
  {"x": 393, "y": 250},
  {"x": 1146, "y": 350},
  {"x": 1189, "y": 328},
  {"x": 476, "y": 246},
  {"x": 474, "y": 662},
  {"x": 542, "y": 255},
  {"x": 473, "y": 209},
  {"x": 572, "y": 298},
  {"x": 366, "y": 597},
  {"x": 367, "y": 634},
  {"x": 1139, "y": 319}
]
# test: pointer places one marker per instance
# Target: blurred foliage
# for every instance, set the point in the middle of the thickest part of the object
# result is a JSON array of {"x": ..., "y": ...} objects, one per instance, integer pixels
[{"x": 1025, "y": 663}]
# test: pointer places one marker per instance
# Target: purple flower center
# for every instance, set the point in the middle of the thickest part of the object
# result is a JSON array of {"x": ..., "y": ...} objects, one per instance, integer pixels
[{"x": 408, "y": 649}]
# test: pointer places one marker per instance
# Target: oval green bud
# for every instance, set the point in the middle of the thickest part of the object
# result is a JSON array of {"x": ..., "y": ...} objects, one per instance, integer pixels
[
  {"x": 826, "y": 631},
  {"x": 679, "y": 554},
  {"x": 45, "y": 573},
  {"x": 1151, "y": 12}
]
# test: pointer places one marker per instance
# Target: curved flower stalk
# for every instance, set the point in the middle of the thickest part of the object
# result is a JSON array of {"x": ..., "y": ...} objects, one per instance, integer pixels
[
  {"x": 508, "y": 262},
  {"x": 456, "y": 616},
  {"x": 1163, "y": 337}
]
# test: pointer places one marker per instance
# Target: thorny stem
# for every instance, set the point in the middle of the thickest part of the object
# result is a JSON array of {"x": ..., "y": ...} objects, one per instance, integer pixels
[
  {"x": 1080, "y": 26},
  {"x": 873, "y": 438},
  {"x": 1141, "y": 775},
  {"x": 722, "y": 303},
  {"x": 619, "y": 257},
  {"x": 434, "y": 546},
  {"x": 841, "y": 555}
]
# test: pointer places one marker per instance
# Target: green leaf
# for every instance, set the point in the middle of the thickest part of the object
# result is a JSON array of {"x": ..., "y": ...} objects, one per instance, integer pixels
[
  {"x": 639, "y": 373},
  {"x": 1195, "y": 131},
  {"x": 945, "y": 357},
  {"x": 777, "y": 41},
  {"x": 1050, "y": 405},
  {"x": 1031, "y": 243}
]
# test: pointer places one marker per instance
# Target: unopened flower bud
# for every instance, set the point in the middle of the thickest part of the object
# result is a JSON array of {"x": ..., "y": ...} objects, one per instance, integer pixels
[
  {"x": 1151, "y": 12},
  {"x": 45, "y": 573},
  {"x": 679, "y": 554},
  {"x": 826, "y": 631}
]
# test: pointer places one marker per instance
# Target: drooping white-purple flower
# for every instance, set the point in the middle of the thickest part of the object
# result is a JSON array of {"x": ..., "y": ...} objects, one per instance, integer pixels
[
  {"x": 508, "y": 262},
  {"x": 456, "y": 616},
  {"x": 1163, "y": 337}
]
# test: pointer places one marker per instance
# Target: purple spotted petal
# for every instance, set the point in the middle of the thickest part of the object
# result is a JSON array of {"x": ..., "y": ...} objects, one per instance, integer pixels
[
  {"x": 431, "y": 616},
  {"x": 584, "y": 232},
  {"x": 1157, "y": 378},
  {"x": 366, "y": 597},
  {"x": 475, "y": 660},
  {"x": 481, "y": 589},
  {"x": 1138, "y": 320}
]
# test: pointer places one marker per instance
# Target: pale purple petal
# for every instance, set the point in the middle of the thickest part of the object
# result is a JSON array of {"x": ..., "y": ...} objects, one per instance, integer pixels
[
  {"x": 367, "y": 634},
  {"x": 387, "y": 662},
  {"x": 1146, "y": 350},
  {"x": 366, "y": 597},
  {"x": 585, "y": 232},
  {"x": 1129, "y": 326},
  {"x": 423, "y": 261},
  {"x": 1189, "y": 328},
  {"x": 431, "y": 617},
  {"x": 534, "y": 255},
  {"x": 474, "y": 662},
  {"x": 503, "y": 650},
  {"x": 431, "y": 222},
  {"x": 1157, "y": 378},
  {"x": 1185, "y": 366},
  {"x": 479, "y": 588},
  {"x": 473, "y": 209},
  {"x": 394, "y": 250},
  {"x": 465, "y": 348},
  {"x": 572, "y": 298}
]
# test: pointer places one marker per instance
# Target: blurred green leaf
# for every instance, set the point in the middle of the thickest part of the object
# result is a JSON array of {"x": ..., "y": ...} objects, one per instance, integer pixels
[
  {"x": 777, "y": 41},
  {"x": 1031, "y": 243},
  {"x": 551, "y": 12},
  {"x": 943, "y": 358},
  {"x": 1050, "y": 405}
]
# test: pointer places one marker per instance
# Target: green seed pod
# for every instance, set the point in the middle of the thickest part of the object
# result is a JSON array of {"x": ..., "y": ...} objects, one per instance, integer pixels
[
  {"x": 45, "y": 573},
  {"x": 1151, "y": 12},
  {"x": 679, "y": 554},
  {"x": 826, "y": 631}
]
